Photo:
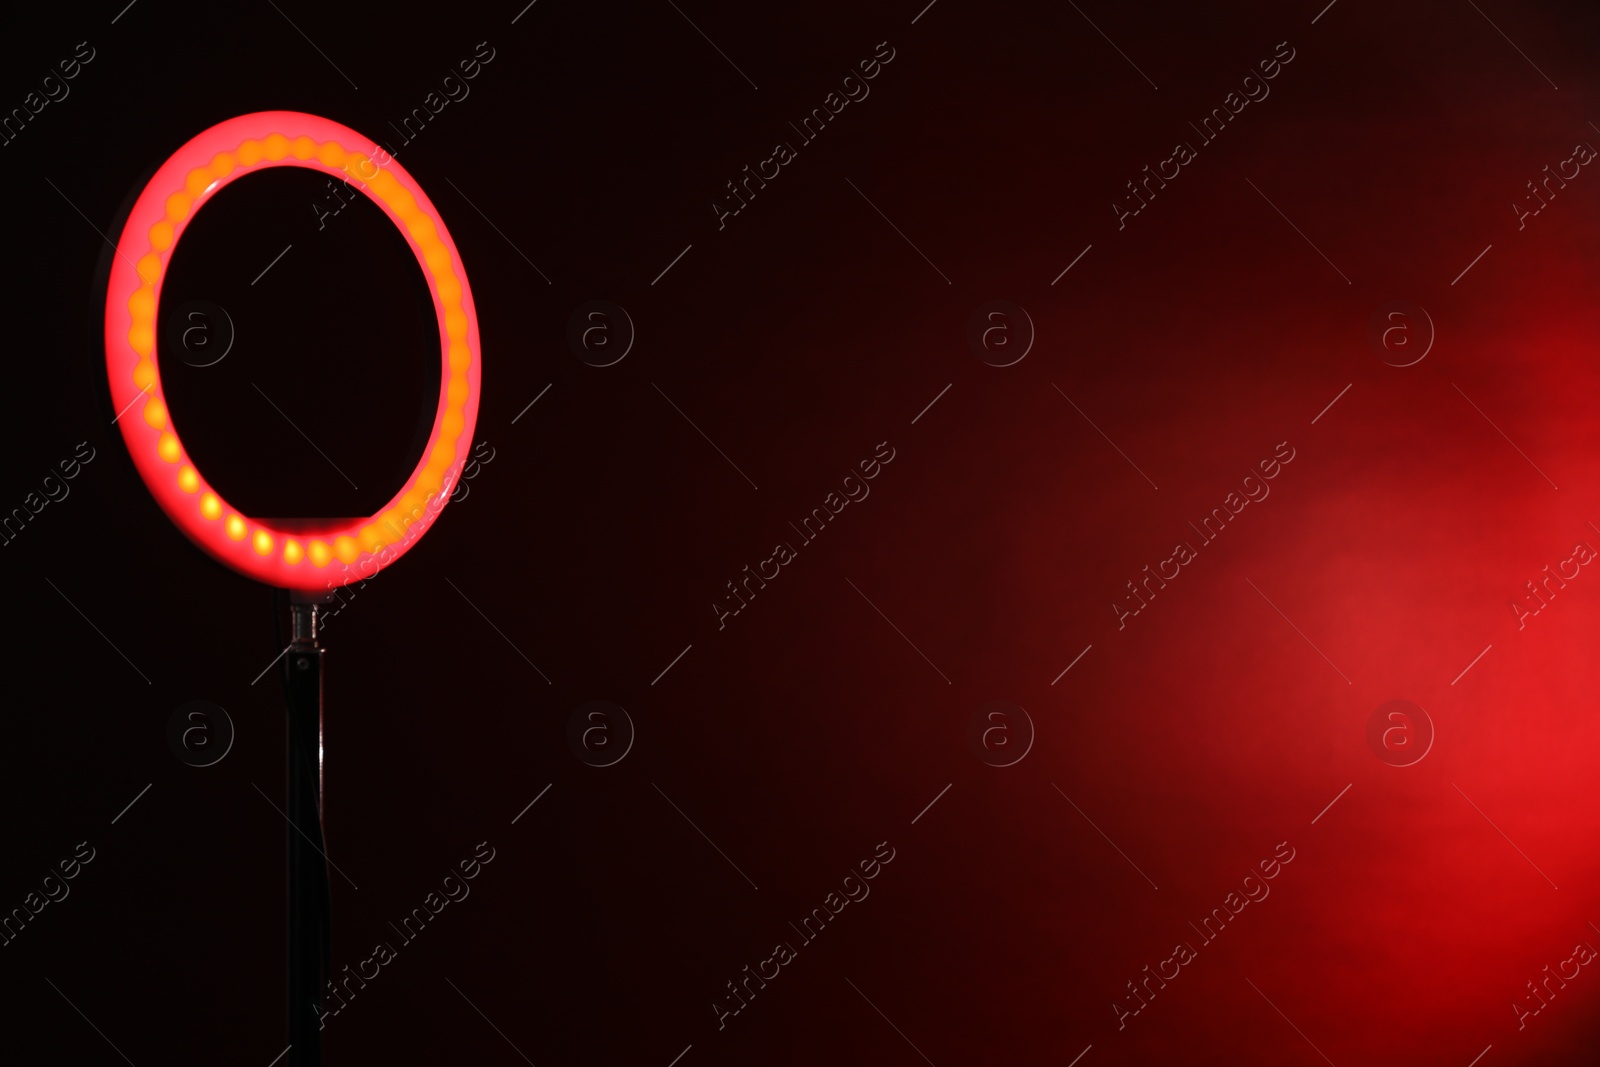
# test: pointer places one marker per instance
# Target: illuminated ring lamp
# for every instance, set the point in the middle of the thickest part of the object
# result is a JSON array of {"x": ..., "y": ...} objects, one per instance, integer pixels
[
  {"x": 306, "y": 558},
  {"x": 279, "y": 556}
]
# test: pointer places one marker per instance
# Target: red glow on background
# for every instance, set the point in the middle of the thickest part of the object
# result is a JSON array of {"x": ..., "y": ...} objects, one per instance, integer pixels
[{"x": 1175, "y": 351}]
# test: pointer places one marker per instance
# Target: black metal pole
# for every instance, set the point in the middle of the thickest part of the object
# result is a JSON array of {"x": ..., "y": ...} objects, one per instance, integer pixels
[{"x": 308, "y": 871}]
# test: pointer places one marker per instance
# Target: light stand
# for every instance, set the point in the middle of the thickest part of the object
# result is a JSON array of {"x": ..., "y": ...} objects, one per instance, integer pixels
[
  {"x": 308, "y": 865},
  {"x": 281, "y": 553}
]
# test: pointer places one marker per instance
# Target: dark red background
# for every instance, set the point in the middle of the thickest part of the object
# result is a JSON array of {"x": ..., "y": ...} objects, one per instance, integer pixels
[{"x": 808, "y": 730}]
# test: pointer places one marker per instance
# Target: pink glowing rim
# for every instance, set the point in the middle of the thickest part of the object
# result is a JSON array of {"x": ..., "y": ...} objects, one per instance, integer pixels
[{"x": 310, "y": 555}]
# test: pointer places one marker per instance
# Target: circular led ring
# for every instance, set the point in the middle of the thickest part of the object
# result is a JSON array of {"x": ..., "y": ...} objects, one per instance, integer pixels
[{"x": 336, "y": 552}]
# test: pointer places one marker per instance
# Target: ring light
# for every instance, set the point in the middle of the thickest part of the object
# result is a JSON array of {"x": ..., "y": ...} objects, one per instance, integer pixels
[{"x": 290, "y": 556}]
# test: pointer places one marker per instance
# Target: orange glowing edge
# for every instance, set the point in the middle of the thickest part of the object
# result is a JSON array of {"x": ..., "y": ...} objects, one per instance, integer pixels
[{"x": 337, "y": 552}]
